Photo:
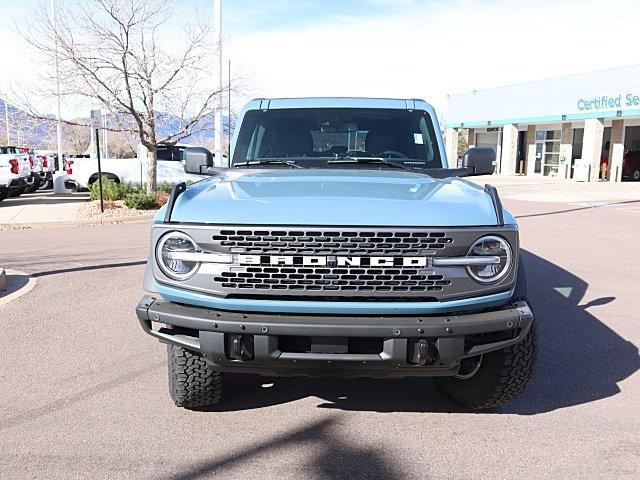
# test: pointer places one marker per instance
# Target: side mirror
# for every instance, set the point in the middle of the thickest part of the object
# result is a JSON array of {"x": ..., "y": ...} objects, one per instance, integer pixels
[
  {"x": 196, "y": 160},
  {"x": 479, "y": 161}
]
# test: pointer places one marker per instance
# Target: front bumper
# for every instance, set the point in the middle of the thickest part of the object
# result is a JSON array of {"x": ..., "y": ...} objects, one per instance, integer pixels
[{"x": 445, "y": 340}]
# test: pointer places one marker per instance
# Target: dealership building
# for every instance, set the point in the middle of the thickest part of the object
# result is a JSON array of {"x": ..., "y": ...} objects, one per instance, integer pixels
[{"x": 577, "y": 126}]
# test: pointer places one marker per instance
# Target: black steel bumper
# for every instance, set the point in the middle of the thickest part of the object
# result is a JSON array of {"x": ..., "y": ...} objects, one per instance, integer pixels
[{"x": 258, "y": 343}]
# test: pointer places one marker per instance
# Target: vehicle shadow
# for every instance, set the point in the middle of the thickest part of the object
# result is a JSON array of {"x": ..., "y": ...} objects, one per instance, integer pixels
[
  {"x": 23, "y": 200},
  {"x": 580, "y": 360},
  {"x": 333, "y": 457}
]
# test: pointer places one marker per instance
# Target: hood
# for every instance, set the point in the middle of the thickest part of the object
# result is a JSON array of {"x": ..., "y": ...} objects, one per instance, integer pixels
[{"x": 334, "y": 197}]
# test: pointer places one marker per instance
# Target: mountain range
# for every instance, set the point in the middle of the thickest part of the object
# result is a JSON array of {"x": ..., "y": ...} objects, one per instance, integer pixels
[{"x": 24, "y": 130}]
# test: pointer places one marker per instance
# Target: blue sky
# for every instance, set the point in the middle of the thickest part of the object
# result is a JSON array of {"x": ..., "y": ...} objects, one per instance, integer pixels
[
  {"x": 277, "y": 14},
  {"x": 396, "y": 48}
]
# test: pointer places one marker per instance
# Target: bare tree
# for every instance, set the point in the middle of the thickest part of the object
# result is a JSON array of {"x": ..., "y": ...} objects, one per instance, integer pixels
[
  {"x": 121, "y": 146},
  {"x": 151, "y": 77},
  {"x": 77, "y": 136}
]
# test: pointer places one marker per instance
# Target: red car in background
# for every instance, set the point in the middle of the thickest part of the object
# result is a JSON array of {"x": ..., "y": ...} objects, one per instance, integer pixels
[{"x": 630, "y": 165}]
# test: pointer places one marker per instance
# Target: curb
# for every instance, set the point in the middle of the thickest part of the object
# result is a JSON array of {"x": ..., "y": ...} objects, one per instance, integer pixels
[
  {"x": 26, "y": 288},
  {"x": 77, "y": 223}
]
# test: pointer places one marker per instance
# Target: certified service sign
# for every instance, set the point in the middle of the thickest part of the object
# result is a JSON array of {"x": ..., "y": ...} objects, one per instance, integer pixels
[{"x": 606, "y": 102}]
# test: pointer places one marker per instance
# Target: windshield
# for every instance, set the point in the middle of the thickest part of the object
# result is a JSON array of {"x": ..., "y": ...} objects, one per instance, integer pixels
[{"x": 313, "y": 137}]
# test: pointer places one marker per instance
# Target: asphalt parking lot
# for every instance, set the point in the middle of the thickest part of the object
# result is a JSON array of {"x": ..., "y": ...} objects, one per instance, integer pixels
[{"x": 83, "y": 390}]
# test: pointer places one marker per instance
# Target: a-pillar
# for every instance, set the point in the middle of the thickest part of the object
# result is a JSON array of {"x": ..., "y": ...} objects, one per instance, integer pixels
[
  {"x": 592, "y": 146},
  {"x": 566, "y": 149},
  {"x": 531, "y": 149},
  {"x": 509, "y": 149},
  {"x": 616, "y": 150},
  {"x": 451, "y": 146}
]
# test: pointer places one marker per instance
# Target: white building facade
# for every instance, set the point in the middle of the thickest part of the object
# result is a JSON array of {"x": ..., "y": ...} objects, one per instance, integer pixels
[{"x": 577, "y": 126}]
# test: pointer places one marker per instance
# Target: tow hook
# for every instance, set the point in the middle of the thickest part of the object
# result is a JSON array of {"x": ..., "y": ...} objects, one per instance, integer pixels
[
  {"x": 420, "y": 353},
  {"x": 240, "y": 347}
]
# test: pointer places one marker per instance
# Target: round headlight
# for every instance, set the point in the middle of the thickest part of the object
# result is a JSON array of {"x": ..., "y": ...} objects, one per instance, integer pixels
[
  {"x": 495, "y": 247},
  {"x": 172, "y": 254}
]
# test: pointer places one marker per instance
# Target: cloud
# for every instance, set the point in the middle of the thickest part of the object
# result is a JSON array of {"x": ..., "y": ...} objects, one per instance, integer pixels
[
  {"x": 431, "y": 49},
  {"x": 389, "y": 48}
]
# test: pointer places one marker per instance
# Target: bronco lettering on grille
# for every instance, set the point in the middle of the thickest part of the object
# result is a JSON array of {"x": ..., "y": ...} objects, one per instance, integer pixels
[{"x": 332, "y": 260}]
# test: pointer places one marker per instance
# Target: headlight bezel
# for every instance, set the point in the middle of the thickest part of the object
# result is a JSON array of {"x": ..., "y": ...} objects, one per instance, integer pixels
[
  {"x": 505, "y": 270},
  {"x": 159, "y": 259}
]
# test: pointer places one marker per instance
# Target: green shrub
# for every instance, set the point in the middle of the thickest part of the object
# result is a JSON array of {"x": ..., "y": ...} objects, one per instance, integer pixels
[
  {"x": 165, "y": 187},
  {"x": 111, "y": 190},
  {"x": 141, "y": 200}
]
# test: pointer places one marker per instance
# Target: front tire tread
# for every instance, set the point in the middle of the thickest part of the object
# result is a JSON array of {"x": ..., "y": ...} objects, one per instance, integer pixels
[{"x": 192, "y": 382}]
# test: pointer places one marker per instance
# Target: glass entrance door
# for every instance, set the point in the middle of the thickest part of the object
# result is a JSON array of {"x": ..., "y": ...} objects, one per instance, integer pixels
[{"x": 547, "y": 152}]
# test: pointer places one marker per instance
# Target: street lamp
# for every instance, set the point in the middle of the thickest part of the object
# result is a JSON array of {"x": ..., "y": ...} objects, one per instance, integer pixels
[
  {"x": 6, "y": 116},
  {"x": 58, "y": 185},
  {"x": 217, "y": 125}
]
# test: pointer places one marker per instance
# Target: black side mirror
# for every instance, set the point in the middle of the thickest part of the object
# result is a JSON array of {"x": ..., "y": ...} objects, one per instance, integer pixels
[
  {"x": 196, "y": 160},
  {"x": 479, "y": 161}
]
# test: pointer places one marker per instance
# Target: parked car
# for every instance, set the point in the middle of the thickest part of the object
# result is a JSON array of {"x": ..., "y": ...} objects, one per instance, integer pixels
[
  {"x": 15, "y": 171},
  {"x": 49, "y": 162},
  {"x": 340, "y": 243},
  {"x": 33, "y": 182},
  {"x": 631, "y": 165},
  {"x": 83, "y": 169}
]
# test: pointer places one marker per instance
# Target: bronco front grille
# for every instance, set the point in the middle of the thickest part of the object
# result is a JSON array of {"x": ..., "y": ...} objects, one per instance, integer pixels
[
  {"x": 334, "y": 279},
  {"x": 331, "y": 280},
  {"x": 333, "y": 264},
  {"x": 332, "y": 242}
]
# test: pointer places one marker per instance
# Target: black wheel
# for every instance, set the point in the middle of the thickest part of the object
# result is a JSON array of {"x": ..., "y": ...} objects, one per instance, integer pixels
[
  {"x": 32, "y": 187},
  {"x": 105, "y": 176},
  {"x": 500, "y": 377},
  {"x": 45, "y": 185},
  {"x": 192, "y": 382},
  {"x": 3, "y": 193}
]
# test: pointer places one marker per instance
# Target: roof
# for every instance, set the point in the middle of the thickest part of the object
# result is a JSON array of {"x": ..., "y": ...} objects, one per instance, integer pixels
[{"x": 340, "y": 102}]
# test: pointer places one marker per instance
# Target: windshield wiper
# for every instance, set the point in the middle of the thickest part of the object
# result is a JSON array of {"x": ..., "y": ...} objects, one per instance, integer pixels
[
  {"x": 384, "y": 161},
  {"x": 269, "y": 161}
]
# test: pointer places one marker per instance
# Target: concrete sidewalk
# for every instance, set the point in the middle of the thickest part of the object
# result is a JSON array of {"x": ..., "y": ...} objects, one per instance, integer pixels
[
  {"x": 41, "y": 207},
  {"x": 554, "y": 190}
]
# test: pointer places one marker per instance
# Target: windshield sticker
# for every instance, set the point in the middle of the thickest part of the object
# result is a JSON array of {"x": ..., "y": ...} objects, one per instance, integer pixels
[{"x": 417, "y": 139}]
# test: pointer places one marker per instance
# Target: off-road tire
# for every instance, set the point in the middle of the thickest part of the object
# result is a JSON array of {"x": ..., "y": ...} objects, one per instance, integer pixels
[
  {"x": 502, "y": 376},
  {"x": 193, "y": 383}
]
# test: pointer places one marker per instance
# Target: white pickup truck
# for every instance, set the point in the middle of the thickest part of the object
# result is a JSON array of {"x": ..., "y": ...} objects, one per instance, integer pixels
[
  {"x": 15, "y": 171},
  {"x": 84, "y": 171},
  {"x": 48, "y": 162}
]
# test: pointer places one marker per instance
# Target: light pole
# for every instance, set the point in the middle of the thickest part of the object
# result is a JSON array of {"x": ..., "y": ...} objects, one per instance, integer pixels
[
  {"x": 58, "y": 185},
  {"x": 105, "y": 126},
  {"x": 217, "y": 126},
  {"x": 6, "y": 116},
  {"x": 229, "y": 112}
]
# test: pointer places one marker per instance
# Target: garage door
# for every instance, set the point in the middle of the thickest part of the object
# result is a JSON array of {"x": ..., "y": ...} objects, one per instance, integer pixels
[{"x": 487, "y": 139}]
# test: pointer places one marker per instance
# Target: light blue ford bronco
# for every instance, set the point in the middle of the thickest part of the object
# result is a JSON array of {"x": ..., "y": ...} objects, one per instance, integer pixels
[{"x": 339, "y": 242}]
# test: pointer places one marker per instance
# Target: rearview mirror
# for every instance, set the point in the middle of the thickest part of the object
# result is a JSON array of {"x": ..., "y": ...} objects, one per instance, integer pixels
[
  {"x": 196, "y": 160},
  {"x": 479, "y": 161}
]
